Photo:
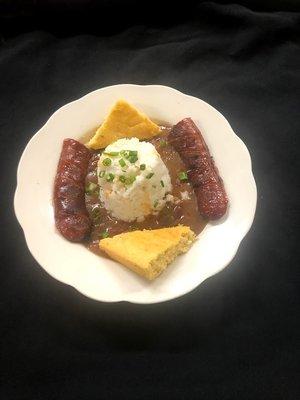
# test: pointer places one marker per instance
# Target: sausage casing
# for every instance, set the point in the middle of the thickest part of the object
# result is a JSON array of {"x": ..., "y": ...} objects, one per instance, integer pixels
[
  {"x": 71, "y": 217},
  {"x": 202, "y": 171}
]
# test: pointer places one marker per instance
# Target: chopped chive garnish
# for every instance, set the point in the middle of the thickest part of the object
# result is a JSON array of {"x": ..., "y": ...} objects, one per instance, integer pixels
[
  {"x": 122, "y": 162},
  {"x": 142, "y": 167},
  {"x": 129, "y": 180},
  {"x": 122, "y": 178},
  {"x": 104, "y": 234},
  {"x": 149, "y": 176},
  {"x": 111, "y": 153},
  {"x": 124, "y": 153},
  {"x": 155, "y": 203},
  {"x": 91, "y": 188},
  {"x": 162, "y": 183},
  {"x": 129, "y": 153},
  {"x": 163, "y": 143},
  {"x": 132, "y": 159},
  {"x": 106, "y": 162},
  {"x": 101, "y": 174},
  {"x": 110, "y": 177},
  {"x": 183, "y": 176}
]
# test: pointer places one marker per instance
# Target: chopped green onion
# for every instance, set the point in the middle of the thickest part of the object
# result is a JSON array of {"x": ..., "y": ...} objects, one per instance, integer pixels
[
  {"x": 163, "y": 143},
  {"x": 122, "y": 162},
  {"x": 124, "y": 153},
  {"x": 149, "y": 176},
  {"x": 129, "y": 153},
  {"x": 106, "y": 162},
  {"x": 142, "y": 167},
  {"x": 132, "y": 159},
  {"x": 183, "y": 176},
  {"x": 122, "y": 178},
  {"x": 155, "y": 203},
  {"x": 91, "y": 188},
  {"x": 111, "y": 153},
  {"x": 130, "y": 179},
  {"x": 101, "y": 174},
  {"x": 110, "y": 177},
  {"x": 162, "y": 183},
  {"x": 104, "y": 234}
]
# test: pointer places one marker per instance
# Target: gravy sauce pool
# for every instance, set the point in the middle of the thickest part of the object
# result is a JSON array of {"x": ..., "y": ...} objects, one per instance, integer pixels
[{"x": 184, "y": 212}]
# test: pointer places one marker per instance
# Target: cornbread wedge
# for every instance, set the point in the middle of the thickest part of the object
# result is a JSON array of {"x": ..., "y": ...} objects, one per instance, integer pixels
[
  {"x": 123, "y": 121},
  {"x": 148, "y": 252}
]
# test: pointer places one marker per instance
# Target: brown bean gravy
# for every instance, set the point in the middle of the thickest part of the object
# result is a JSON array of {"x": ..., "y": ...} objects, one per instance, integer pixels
[{"x": 183, "y": 211}]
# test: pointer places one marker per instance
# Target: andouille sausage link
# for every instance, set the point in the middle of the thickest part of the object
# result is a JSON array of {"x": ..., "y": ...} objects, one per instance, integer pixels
[
  {"x": 202, "y": 171},
  {"x": 71, "y": 217}
]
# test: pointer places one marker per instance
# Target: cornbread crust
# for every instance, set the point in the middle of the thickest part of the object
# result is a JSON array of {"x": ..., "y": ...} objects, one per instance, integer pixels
[
  {"x": 123, "y": 121},
  {"x": 148, "y": 252}
]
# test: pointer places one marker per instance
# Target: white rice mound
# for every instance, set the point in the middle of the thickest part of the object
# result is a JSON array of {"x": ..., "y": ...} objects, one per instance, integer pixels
[{"x": 145, "y": 190}]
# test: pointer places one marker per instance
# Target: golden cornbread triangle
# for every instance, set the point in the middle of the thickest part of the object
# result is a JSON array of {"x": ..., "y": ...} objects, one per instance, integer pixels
[
  {"x": 148, "y": 252},
  {"x": 123, "y": 121}
]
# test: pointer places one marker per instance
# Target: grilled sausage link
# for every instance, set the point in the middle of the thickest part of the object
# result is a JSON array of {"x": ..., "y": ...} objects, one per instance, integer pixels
[
  {"x": 71, "y": 217},
  {"x": 202, "y": 172}
]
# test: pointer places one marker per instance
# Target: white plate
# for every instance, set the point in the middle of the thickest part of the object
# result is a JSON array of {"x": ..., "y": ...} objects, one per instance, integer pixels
[{"x": 103, "y": 279}]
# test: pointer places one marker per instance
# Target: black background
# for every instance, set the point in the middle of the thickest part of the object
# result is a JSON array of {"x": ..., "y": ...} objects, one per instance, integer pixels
[{"x": 235, "y": 336}]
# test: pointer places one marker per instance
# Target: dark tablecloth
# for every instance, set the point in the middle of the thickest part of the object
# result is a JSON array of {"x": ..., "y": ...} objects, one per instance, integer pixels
[{"x": 235, "y": 336}]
